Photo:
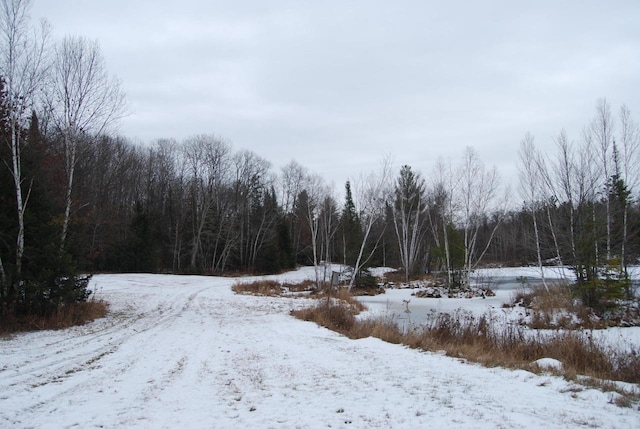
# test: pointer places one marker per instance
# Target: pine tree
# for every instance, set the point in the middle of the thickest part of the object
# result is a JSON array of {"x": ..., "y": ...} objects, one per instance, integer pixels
[
  {"x": 350, "y": 231},
  {"x": 408, "y": 218}
]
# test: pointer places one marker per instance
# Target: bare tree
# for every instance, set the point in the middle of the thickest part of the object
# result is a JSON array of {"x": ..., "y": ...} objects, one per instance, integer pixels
[
  {"x": 445, "y": 185},
  {"x": 530, "y": 184},
  {"x": 589, "y": 176},
  {"x": 22, "y": 65},
  {"x": 630, "y": 174},
  {"x": 292, "y": 182},
  {"x": 564, "y": 179},
  {"x": 315, "y": 192},
  {"x": 371, "y": 197},
  {"x": 208, "y": 161},
  {"x": 479, "y": 188},
  {"x": 548, "y": 194},
  {"x": 601, "y": 131},
  {"x": 83, "y": 102},
  {"x": 251, "y": 181}
]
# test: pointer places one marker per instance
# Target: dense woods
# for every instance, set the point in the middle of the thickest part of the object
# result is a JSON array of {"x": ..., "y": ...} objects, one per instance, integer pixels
[{"x": 76, "y": 198}]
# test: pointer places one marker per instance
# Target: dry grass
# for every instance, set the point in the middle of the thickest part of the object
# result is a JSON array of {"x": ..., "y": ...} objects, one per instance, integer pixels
[
  {"x": 336, "y": 317},
  {"x": 345, "y": 298},
  {"x": 262, "y": 287},
  {"x": 398, "y": 277},
  {"x": 303, "y": 286},
  {"x": 272, "y": 288},
  {"x": 556, "y": 308},
  {"x": 476, "y": 339},
  {"x": 66, "y": 316},
  {"x": 335, "y": 310}
]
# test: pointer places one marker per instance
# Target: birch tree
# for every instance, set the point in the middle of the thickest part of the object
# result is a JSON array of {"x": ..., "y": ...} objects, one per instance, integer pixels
[
  {"x": 22, "y": 65},
  {"x": 292, "y": 182},
  {"x": 478, "y": 194},
  {"x": 601, "y": 131},
  {"x": 314, "y": 192},
  {"x": 530, "y": 182},
  {"x": 589, "y": 176},
  {"x": 564, "y": 179},
  {"x": 408, "y": 217},
  {"x": 445, "y": 185},
  {"x": 630, "y": 168},
  {"x": 371, "y": 196},
  {"x": 83, "y": 101}
]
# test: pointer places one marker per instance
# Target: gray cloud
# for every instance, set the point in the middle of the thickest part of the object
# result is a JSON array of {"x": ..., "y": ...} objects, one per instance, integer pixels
[{"x": 336, "y": 85}]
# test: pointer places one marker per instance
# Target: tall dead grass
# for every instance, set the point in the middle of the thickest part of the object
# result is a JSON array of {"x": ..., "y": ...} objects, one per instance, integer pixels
[
  {"x": 271, "y": 288},
  {"x": 557, "y": 307},
  {"x": 477, "y": 339},
  {"x": 66, "y": 316},
  {"x": 263, "y": 287}
]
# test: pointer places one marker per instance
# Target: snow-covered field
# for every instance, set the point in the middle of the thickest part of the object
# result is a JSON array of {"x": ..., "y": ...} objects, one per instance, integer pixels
[{"x": 184, "y": 351}]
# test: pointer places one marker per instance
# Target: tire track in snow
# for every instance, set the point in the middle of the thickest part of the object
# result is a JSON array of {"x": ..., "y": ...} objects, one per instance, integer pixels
[
  {"x": 199, "y": 356},
  {"x": 56, "y": 368}
]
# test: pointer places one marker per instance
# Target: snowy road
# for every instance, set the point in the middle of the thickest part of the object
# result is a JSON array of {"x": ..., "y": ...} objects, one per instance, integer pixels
[{"x": 184, "y": 351}]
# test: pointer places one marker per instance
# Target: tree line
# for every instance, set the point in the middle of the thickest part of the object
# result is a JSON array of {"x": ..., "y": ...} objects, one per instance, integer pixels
[
  {"x": 77, "y": 198},
  {"x": 581, "y": 201}
]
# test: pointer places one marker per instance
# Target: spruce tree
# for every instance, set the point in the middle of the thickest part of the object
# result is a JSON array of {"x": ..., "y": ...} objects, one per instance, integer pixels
[{"x": 350, "y": 231}]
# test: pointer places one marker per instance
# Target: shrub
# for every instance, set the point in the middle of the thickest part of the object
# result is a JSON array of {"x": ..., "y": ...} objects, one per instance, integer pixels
[
  {"x": 272, "y": 288},
  {"x": 65, "y": 316},
  {"x": 605, "y": 287},
  {"x": 262, "y": 287},
  {"x": 44, "y": 297},
  {"x": 337, "y": 317}
]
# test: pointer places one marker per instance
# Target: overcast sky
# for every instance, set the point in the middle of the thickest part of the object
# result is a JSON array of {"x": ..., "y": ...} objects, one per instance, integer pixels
[{"x": 336, "y": 85}]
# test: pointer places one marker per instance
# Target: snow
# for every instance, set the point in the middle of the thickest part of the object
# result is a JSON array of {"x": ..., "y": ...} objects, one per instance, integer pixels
[
  {"x": 185, "y": 351},
  {"x": 503, "y": 281},
  {"x": 549, "y": 363}
]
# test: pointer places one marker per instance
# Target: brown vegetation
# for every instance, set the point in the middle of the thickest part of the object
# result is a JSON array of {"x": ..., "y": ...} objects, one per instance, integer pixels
[
  {"x": 263, "y": 287},
  {"x": 558, "y": 307},
  {"x": 272, "y": 288},
  {"x": 399, "y": 277},
  {"x": 66, "y": 316},
  {"x": 476, "y": 339}
]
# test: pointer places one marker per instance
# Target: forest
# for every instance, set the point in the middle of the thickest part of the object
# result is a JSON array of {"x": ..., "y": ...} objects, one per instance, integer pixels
[{"x": 76, "y": 197}]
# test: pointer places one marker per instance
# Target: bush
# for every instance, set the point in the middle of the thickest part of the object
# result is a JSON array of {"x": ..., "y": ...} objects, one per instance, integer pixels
[
  {"x": 605, "y": 288},
  {"x": 337, "y": 317},
  {"x": 50, "y": 284},
  {"x": 271, "y": 287},
  {"x": 46, "y": 296},
  {"x": 63, "y": 317},
  {"x": 262, "y": 287}
]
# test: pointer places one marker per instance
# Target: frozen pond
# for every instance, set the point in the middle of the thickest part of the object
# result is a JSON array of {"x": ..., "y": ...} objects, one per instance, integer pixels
[{"x": 409, "y": 310}]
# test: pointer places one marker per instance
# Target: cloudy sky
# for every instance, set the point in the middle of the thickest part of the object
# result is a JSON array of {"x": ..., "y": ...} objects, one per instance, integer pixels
[{"x": 337, "y": 85}]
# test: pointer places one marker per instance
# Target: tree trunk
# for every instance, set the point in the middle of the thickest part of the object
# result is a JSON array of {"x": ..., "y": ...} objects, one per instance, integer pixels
[
  {"x": 70, "y": 156},
  {"x": 538, "y": 253},
  {"x": 17, "y": 181}
]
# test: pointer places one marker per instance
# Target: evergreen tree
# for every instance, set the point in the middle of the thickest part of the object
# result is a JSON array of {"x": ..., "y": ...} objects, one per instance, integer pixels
[
  {"x": 350, "y": 230},
  {"x": 408, "y": 218},
  {"x": 47, "y": 279}
]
